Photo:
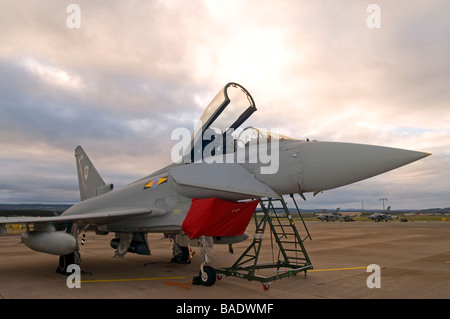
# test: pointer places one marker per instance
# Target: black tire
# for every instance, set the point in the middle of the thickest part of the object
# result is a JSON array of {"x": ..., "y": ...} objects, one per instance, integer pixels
[
  {"x": 209, "y": 277},
  {"x": 64, "y": 262},
  {"x": 183, "y": 257}
]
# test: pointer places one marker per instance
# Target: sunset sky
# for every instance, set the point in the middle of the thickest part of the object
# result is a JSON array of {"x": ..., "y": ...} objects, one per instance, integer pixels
[{"x": 135, "y": 70}]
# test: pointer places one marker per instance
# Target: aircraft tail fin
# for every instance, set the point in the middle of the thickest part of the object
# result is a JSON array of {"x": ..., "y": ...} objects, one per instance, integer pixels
[{"x": 90, "y": 182}]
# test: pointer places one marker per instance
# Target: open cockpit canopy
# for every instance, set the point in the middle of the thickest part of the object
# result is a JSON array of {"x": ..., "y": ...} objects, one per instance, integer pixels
[
  {"x": 231, "y": 107},
  {"x": 226, "y": 112}
]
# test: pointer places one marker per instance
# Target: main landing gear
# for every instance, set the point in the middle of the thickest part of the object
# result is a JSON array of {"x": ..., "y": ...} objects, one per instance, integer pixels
[
  {"x": 207, "y": 275},
  {"x": 66, "y": 260},
  {"x": 182, "y": 254}
]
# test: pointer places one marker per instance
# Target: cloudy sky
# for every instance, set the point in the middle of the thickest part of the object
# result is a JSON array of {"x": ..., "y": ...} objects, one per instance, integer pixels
[{"x": 135, "y": 70}]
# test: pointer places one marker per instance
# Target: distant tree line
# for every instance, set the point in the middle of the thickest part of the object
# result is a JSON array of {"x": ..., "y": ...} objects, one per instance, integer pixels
[{"x": 26, "y": 212}]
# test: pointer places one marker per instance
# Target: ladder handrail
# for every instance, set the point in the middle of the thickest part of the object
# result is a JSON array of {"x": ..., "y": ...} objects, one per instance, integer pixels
[
  {"x": 282, "y": 233},
  {"x": 301, "y": 217}
]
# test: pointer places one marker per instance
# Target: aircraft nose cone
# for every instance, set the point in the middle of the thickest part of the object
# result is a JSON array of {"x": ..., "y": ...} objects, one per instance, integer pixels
[{"x": 327, "y": 165}]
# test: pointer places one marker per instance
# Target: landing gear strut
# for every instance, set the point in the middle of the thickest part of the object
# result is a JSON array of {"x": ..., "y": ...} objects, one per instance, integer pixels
[
  {"x": 207, "y": 275},
  {"x": 181, "y": 254},
  {"x": 72, "y": 258}
]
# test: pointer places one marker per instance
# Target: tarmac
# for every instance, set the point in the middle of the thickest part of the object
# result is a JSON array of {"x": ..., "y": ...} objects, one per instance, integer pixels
[{"x": 413, "y": 258}]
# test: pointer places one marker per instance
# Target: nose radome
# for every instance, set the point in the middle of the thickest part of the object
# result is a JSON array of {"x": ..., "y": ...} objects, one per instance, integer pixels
[{"x": 327, "y": 165}]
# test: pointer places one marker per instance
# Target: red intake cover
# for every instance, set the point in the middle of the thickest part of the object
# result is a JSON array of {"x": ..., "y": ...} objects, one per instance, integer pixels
[{"x": 217, "y": 217}]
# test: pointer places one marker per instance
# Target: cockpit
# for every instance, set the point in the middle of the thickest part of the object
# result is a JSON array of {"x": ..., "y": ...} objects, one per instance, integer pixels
[
  {"x": 217, "y": 130},
  {"x": 254, "y": 136}
]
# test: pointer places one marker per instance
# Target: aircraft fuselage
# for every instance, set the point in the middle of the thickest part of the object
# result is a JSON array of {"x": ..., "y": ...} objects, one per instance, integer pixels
[{"x": 300, "y": 167}]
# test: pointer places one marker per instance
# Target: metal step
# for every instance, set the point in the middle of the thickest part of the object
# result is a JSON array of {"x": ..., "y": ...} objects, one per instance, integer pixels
[{"x": 285, "y": 234}]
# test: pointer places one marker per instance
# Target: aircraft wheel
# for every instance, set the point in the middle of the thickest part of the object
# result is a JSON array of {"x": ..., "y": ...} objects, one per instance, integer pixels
[
  {"x": 64, "y": 262},
  {"x": 182, "y": 256},
  {"x": 208, "y": 277}
]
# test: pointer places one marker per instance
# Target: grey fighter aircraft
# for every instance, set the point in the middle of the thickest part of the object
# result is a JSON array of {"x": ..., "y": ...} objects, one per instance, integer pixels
[
  {"x": 209, "y": 195},
  {"x": 378, "y": 217},
  {"x": 330, "y": 216}
]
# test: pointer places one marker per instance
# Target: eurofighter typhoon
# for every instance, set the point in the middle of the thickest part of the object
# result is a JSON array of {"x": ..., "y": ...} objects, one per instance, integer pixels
[{"x": 209, "y": 195}]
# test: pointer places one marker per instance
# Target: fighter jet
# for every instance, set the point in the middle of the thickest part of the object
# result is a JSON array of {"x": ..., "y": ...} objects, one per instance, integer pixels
[
  {"x": 330, "y": 216},
  {"x": 209, "y": 193},
  {"x": 378, "y": 217}
]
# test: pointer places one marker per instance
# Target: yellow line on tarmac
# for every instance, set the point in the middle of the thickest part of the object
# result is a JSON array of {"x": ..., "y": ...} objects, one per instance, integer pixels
[
  {"x": 338, "y": 269},
  {"x": 135, "y": 279}
]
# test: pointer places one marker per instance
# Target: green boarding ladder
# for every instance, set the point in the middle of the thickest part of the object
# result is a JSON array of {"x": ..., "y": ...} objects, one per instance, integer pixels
[{"x": 292, "y": 256}]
